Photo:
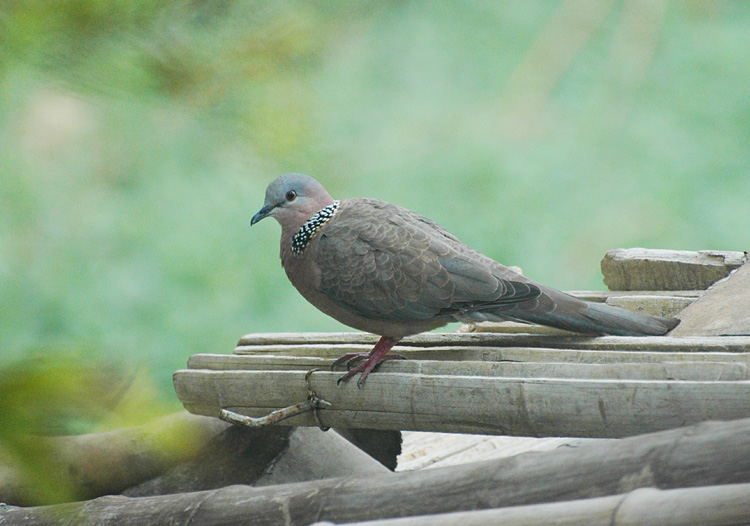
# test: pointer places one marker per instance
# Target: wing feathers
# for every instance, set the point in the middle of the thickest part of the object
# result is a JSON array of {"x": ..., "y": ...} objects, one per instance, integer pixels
[{"x": 383, "y": 261}]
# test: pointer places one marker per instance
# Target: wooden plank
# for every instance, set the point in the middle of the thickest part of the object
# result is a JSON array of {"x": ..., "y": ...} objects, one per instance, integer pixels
[
  {"x": 704, "y": 455},
  {"x": 498, "y": 354},
  {"x": 723, "y": 310},
  {"x": 655, "y": 269},
  {"x": 701, "y": 371},
  {"x": 604, "y": 295},
  {"x": 467, "y": 404},
  {"x": 665, "y": 306},
  {"x": 708, "y": 506},
  {"x": 473, "y": 339}
]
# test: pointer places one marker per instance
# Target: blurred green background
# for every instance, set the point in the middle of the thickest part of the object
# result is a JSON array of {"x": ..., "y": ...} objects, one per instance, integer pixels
[{"x": 138, "y": 139}]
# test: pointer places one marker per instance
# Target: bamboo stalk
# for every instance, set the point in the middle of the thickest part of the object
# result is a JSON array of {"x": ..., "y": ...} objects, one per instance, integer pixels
[
  {"x": 708, "y": 454},
  {"x": 708, "y": 506},
  {"x": 500, "y": 354},
  {"x": 498, "y": 340},
  {"x": 700, "y": 371},
  {"x": 467, "y": 404}
]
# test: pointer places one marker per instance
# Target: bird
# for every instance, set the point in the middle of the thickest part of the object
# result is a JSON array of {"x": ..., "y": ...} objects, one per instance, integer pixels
[{"x": 383, "y": 269}]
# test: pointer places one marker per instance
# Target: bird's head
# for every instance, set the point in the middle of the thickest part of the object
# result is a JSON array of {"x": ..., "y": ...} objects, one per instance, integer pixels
[{"x": 292, "y": 199}]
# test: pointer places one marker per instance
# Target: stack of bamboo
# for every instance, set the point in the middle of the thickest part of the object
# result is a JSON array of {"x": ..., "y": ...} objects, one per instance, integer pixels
[
  {"x": 506, "y": 379},
  {"x": 491, "y": 383},
  {"x": 678, "y": 407},
  {"x": 501, "y": 378}
]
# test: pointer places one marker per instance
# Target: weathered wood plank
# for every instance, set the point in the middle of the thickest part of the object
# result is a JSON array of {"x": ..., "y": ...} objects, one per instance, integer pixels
[
  {"x": 723, "y": 310},
  {"x": 475, "y": 339},
  {"x": 701, "y": 371},
  {"x": 500, "y": 354},
  {"x": 604, "y": 295},
  {"x": 708, "y": 506},
  {"x": 666, "y": 306},
  {"x": 655, "y": 269},
  {"x": 708, "y": 454},
  {"x": 467, "y": 404}
]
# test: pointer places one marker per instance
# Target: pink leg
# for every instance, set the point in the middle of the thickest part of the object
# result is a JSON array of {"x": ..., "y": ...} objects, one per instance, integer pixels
[{"x": 376, "y": 356}]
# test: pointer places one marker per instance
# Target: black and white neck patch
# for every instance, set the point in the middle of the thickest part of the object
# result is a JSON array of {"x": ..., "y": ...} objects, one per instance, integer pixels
[{"x": 308, "y": 231}]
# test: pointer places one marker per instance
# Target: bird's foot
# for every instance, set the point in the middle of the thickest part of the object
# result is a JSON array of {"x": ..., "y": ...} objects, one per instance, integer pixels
[
  {"x": 350, "y": 359},
  {"x": 372, "y": 359}
]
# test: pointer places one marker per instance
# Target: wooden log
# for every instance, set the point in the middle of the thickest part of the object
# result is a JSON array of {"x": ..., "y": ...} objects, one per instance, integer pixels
[
  {"x": 712, "y": 453},
  {"x": 652, "y": 269},
  {"x": 708, "y": 506},
  {"x": 236, "y": 455},
  {"x": 261, "y": 457},
  {"x": 109, "y": 462},
  {"x": 464, "y": 404},
  {"x": 312, "y": 455},
  {"x": 700, "y": 371},
  {"x": 184, "y": 452}
]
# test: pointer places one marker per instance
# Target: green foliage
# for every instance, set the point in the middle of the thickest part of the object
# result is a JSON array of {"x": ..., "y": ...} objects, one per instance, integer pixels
[
  {"x": 58, "y": 391},
  {"x": 138, "y": 137}
]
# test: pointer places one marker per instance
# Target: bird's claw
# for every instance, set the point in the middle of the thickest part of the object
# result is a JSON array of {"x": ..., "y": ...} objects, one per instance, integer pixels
[
  {"x": 375, "y": 357},
  {"x": 370, "y": 364},
  {"x": 350, "y": 359}
]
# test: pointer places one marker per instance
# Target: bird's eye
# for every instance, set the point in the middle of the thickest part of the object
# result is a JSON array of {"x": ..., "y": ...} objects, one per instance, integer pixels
[{"x": 291, "y": 195}]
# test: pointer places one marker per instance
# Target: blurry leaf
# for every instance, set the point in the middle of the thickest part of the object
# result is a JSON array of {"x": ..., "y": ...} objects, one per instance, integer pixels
[{"x": 56, "y": 392}]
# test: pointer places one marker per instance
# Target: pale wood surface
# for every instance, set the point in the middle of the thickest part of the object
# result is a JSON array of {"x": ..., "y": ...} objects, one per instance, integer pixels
[
  {"x": 724, "y": 505},
  {"x": 430, "y": 450},
  {"x": 723, "y": 310},
  {"x": 665, "y": 306}
]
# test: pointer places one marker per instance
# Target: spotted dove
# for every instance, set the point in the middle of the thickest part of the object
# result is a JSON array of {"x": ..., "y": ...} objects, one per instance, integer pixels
[{"x": 383, "y": 269}]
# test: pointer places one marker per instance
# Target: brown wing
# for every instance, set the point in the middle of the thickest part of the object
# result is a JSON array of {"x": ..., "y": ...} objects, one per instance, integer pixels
[{"x": 383, "y": 261}]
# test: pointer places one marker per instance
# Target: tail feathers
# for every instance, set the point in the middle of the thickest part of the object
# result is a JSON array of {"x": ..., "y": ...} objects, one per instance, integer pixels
[
  {"x": 614, "y": 320},
  {"x": 592, "y": 318}
]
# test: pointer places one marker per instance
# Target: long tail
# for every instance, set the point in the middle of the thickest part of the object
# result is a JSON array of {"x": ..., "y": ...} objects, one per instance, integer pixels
[{"x": 566, "y": 312}]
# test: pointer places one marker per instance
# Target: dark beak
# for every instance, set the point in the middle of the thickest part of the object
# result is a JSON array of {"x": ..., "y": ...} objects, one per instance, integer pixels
[{"x": 262, "y": 213}]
